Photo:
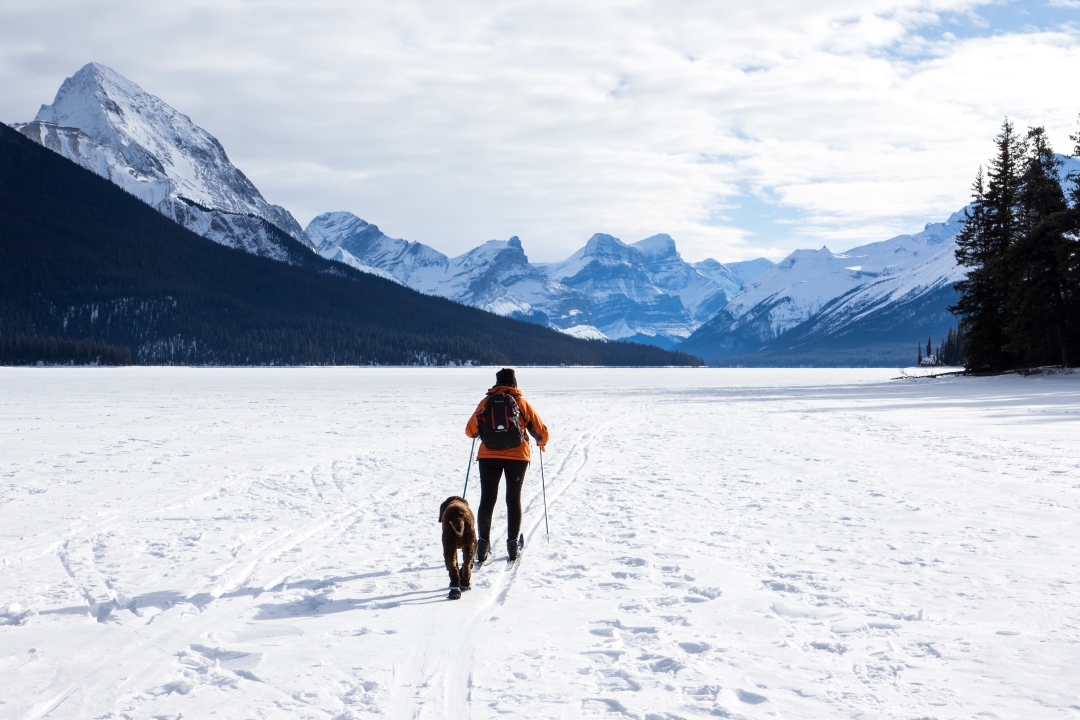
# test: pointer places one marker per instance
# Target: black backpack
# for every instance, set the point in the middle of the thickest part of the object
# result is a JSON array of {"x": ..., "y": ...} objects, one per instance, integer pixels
[{"x": 500, "y": 423}]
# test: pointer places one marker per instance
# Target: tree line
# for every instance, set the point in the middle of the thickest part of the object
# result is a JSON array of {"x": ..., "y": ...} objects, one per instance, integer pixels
[
  {"x": 1019, "y": 305},
  {"x": 24, "y": 350}
]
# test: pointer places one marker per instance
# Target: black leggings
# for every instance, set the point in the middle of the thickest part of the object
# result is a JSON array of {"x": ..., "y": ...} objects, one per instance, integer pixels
[{"x": 491, "y": 471}]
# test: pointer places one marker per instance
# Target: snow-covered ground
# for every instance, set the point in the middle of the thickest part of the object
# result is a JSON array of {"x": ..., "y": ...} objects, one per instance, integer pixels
[{"x": 734, "y": 543}]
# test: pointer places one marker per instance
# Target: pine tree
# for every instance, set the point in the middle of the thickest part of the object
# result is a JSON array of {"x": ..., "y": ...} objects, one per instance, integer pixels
[
  {"x": 1036, "y": 329},
  {"x": 1069, "y": 262},
  {"x": 945, "y": 350},
  {"x": 950, "y": 351},
  {"x": 929, "y": 348},
  {"x": 982, "y": 246},
  {"x": 920, "y": 355}
]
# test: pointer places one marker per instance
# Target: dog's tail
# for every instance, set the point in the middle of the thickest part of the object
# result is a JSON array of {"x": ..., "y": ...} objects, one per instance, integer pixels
[{"x": 459, "y": 531}]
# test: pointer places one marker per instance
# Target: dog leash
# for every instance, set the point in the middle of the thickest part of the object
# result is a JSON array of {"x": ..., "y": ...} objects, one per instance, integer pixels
[{"x": 468, "y": 468}]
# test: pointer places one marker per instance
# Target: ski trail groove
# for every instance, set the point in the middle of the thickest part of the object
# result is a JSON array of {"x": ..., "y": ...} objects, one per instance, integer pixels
[
  {"x": 177, "y": 637},
  {"x": 276, "y": 546},
  {"x": 554, "y": 496}
]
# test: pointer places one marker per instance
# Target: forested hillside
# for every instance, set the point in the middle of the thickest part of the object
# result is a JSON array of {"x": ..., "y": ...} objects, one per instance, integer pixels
[{"x": 81, "y": 260}]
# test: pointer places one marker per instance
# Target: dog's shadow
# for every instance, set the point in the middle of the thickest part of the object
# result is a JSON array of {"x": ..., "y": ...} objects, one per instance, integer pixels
[
  {"x": 325, "y": 606},
  {"x": 310, "y": 606},
  {"x": 321, "y": 605}
]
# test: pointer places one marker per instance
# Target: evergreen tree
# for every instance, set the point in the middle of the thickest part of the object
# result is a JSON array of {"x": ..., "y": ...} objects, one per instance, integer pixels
[
  {"x": 983, "y": 246},
  {"x": 949, "y": 350},
  {"x": 920, "y": 355},
  {"x": 1069, "y": 262},
  {"x": 929, "y": 348},
  {"x": 1037, "y": 310}
]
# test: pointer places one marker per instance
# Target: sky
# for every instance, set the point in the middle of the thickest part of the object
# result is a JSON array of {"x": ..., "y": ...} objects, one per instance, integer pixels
[{"x": 740, "y": 129}]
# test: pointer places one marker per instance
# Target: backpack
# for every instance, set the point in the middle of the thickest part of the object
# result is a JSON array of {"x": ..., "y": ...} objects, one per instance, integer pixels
[{"x": 500, "y": 423}]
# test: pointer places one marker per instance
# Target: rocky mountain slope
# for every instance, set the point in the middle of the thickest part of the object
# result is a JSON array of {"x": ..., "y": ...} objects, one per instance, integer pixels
[{"x": 112, "y": 127}]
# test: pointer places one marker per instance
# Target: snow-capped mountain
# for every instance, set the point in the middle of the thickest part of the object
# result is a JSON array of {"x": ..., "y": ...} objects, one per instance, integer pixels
[
  {"x": 893, "y": 289},
  {"x": 410, "y": 263},
  {"x": 495, "y": 276},
  {"x": 813, "y": 294},
  {"x": 627, "y": 300},
  {"x": 868, "y": 305},
  {"x": 608, "y": 289},
  {"x": 112, "y": 127},
  {"x": 744, "y": 271}
]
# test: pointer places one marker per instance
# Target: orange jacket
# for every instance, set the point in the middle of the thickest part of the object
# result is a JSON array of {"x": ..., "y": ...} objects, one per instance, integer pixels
[{"x": 533, "y": 425}]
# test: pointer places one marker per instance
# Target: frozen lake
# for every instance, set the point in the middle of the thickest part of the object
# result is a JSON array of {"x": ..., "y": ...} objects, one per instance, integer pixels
[{"x": 734, "y": 543}]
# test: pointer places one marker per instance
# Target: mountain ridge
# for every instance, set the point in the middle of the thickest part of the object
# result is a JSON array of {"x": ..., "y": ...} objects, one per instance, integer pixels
[
  {"x": 111, "y": 126},
  {"x": 814, "y": 295},
  {"x": 82, "y": 260},
  {"x": 608, "y": 289},
  {"x": 641, "y": 291}
]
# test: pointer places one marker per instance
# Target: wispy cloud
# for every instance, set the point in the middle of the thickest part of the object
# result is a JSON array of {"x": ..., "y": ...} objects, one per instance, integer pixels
[{"x": 455, "y": 123}]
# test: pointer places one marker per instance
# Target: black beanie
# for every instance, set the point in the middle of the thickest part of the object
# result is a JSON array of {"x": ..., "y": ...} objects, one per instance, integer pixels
[{"x": 506, "y": 377}]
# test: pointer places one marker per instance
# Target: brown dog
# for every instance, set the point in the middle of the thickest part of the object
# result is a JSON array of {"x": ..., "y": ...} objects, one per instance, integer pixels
[{"x": 458, "y": 533}]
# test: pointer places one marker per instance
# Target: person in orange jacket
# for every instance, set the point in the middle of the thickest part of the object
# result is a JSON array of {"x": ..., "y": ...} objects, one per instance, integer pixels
[{"x": 513, "y": 462}]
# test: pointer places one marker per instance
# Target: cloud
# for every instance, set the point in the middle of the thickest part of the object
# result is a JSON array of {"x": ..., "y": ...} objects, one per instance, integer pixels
[{"x": 456, "y": 123}]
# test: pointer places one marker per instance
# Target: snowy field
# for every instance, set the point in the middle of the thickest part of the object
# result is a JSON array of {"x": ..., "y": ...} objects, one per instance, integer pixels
[{"x": 263, "y": 543}]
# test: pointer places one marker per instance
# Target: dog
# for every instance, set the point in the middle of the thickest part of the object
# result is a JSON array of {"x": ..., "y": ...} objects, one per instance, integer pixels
[{"x": 458, "y": 533}]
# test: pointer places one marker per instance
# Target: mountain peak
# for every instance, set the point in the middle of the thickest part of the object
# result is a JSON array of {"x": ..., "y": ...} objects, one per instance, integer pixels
[
  {"x": 83, "y": 101},
  {"x": 339, "y": 218},
  {"x": 106, "y": 106},
  {"x": 657, "y": 246},
  {"x": 334, "y": 225},
  {"x": 602, "y": 243},
  {"x": 155, "y": 144},
  {"x": 105, "y": 75},
  {"x": 152, "y": 136},
  {"x": 598, "y": 238}
]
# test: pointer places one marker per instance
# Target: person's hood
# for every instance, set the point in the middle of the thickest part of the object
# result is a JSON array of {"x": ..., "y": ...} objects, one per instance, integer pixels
[{"x": 506, "y": 389}]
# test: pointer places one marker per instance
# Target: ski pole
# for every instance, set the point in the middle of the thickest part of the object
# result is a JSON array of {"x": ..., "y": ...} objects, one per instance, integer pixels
[
  {"x": 543, "y": 485},
  {"x": 468, "y": 468}
]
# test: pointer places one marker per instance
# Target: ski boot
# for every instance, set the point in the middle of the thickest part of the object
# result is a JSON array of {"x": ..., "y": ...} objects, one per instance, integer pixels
[{"x": 514, "y": 548}]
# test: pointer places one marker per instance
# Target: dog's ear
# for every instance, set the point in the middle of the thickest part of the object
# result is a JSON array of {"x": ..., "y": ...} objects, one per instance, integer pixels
[{"x": 442, "y": 508}]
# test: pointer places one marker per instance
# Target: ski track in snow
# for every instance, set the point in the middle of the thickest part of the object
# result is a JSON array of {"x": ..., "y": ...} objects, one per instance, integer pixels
[{"x": 733, "y": 543}]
